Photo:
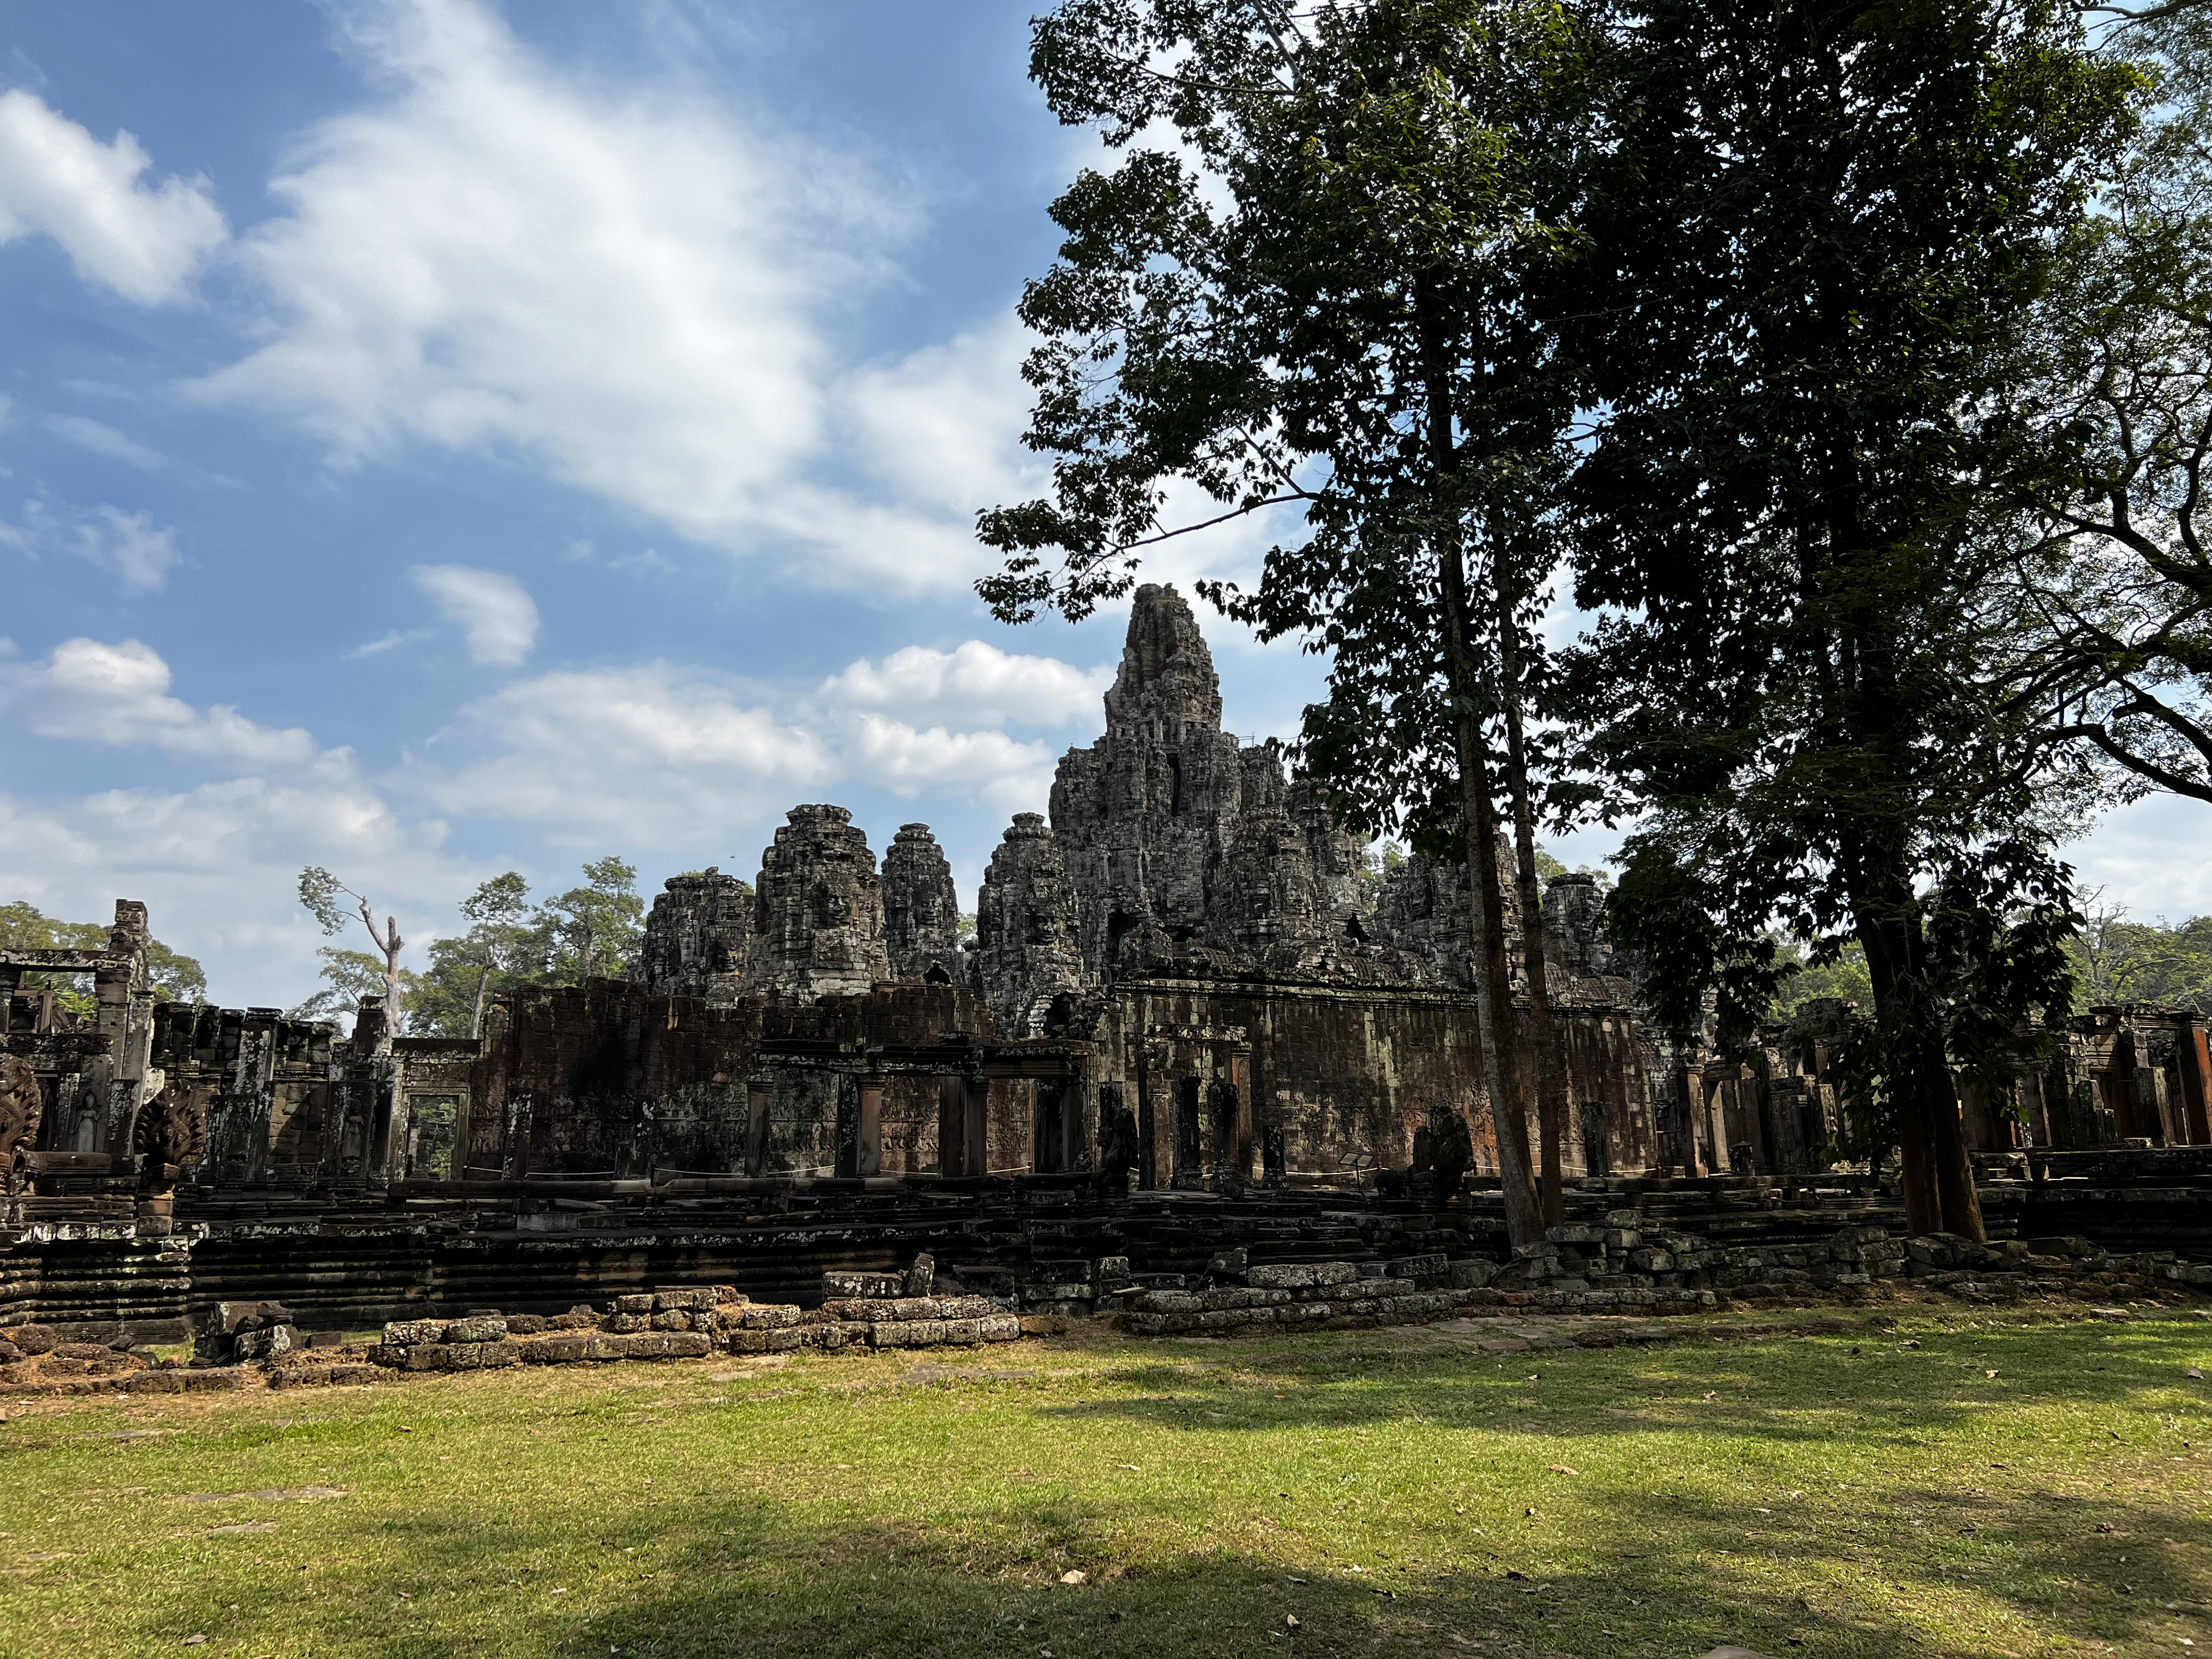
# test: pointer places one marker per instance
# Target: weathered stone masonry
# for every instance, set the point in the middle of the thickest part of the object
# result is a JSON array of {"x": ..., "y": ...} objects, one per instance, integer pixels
[{"x": 1184, "y": 1020}]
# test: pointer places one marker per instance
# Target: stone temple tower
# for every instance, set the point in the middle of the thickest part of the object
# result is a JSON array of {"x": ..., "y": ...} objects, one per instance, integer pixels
[
  {"x": 921, "y": 910},
  {"x": 1173, "y": 835},
  {"x": 818, "y": 910}
]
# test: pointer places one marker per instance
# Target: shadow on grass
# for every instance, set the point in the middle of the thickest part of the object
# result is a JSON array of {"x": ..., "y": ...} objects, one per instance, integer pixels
[
  {"x": 754, "y": 1542},
  {"x": 683, "y": 1581}
]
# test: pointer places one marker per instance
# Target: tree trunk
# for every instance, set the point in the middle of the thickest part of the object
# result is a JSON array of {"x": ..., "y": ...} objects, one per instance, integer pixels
[
  {"x": 1543, "y": 1029},
  {"x": 1497, "y": 1027},
  {"x": 475, "y": 1020},
  {"x": 1934, "y": 1167},
  {"x": 1495, "y": 1017}
]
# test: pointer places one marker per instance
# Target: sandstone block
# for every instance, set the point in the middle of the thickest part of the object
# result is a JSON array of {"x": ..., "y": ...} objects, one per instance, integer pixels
[
  {"x": 1474, "y": 1274},
  {"x": 405, "y": 1333},
  {"x": 682, "y": 1299},
  {"x": 1287, "y": 1276},
  {"x": 863, "y": 1286},
  {"x": 563, "y": 1350},
  {"x": 672, "y": 1319},
  {"x": 605, "y": 1346},
  {"x": 1334, "y": 1272},
  {"x": 637, "y": 1302},
  {"x": 1419, "y": 1266},
  {"x": 1168, "y": 1302},
  {"x": 476, "y": 1328},
  {"x": 907, "y": 1332},
  {"x": 999, "y": 1327},
  {"x": 429, "y": 1357}
]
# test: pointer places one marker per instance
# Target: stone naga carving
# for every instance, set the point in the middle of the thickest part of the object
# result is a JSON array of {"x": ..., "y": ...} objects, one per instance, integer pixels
[{"x": 22, "y": 1104}]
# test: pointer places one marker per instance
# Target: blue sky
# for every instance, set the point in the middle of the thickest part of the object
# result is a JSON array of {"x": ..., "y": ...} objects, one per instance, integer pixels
[{"x": 440, "y": 438}]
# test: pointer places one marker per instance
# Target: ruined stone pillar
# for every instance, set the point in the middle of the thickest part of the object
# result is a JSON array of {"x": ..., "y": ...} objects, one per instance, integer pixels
[
  {"x": 868, "y": 1148},
  {"x": 1241, "y": 1098}
]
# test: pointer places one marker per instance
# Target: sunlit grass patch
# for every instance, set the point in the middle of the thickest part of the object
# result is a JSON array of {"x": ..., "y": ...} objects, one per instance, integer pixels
[{"x": 2007, "y": 1486}]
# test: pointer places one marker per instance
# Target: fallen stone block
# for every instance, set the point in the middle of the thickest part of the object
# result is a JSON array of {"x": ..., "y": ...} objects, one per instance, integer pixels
[
  {"x": 429, "y": 1357},
  {"x": 1282, "y": 1276},
  {"x": 607, "y": 1346},
  {"x": 476, "y": 1328},
  {"x": 639, "y": 1301},
  {"x": 682, "y": 1299},
  {"x": 999, "y": 1327},
  {"x": 405, "y": 1333}
]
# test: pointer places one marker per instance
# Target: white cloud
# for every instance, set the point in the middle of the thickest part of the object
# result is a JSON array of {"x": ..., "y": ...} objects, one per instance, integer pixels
[
  {"x": 57, "y": 180},
  {"x": 499, "y": 617},
  {"x": 390, "y": 641},
  {"x": 2149, "y": 856},
  {"x": 102, "y": 440},
  {"x": 129, "y": 546},
  {"x": 622, "y": 288},
  {"x": 976, "y": 682},
  {"x": 653, "y": 755},
  {"x": 119, "y": 694},
  {"x": 988, "y": 765}
]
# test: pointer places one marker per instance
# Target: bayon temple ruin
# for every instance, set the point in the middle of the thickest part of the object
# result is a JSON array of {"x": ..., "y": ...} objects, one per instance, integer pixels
[{"x": 1190, "y": 1021}]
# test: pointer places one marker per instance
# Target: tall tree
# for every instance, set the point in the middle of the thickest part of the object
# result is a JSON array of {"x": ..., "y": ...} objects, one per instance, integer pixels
[
  {"x": 351, "y": 978},
  {"x": 594, "y": 928},
  {"x": 1320, "y": 296},
  {"x": 1825, "y": 230},
  {"x": 318, "y": 895},
  {"x": 2112, "y": 587}
]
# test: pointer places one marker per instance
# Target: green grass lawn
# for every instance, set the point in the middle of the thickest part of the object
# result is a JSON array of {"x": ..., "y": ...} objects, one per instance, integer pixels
[{"x": 2006, "y": 1487}]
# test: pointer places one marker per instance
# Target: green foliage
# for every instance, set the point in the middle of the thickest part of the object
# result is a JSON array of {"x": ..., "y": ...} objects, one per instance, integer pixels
[
  {"x": 591, "y": 931},
  {"x": 175, "y": 977},
  {"x": 2111, "y": 592},
  {"x": 1843, "y": 976},
  {"x": 1788, "y": 511},
  {"x": 2116, "y": 960},
  {"x": 499, "y": 950},
  {"x": 1346, "y": 257},
  {"x": 318, "y": 896},
  {"x": 351, "y": 978}
]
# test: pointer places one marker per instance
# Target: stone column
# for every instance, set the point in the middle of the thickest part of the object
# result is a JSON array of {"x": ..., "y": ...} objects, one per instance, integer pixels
[
  {"x": 1237, "y": 1068},
  {"x": 2196, "y": 1056},
  {"x": 868, "y": 1148}
]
